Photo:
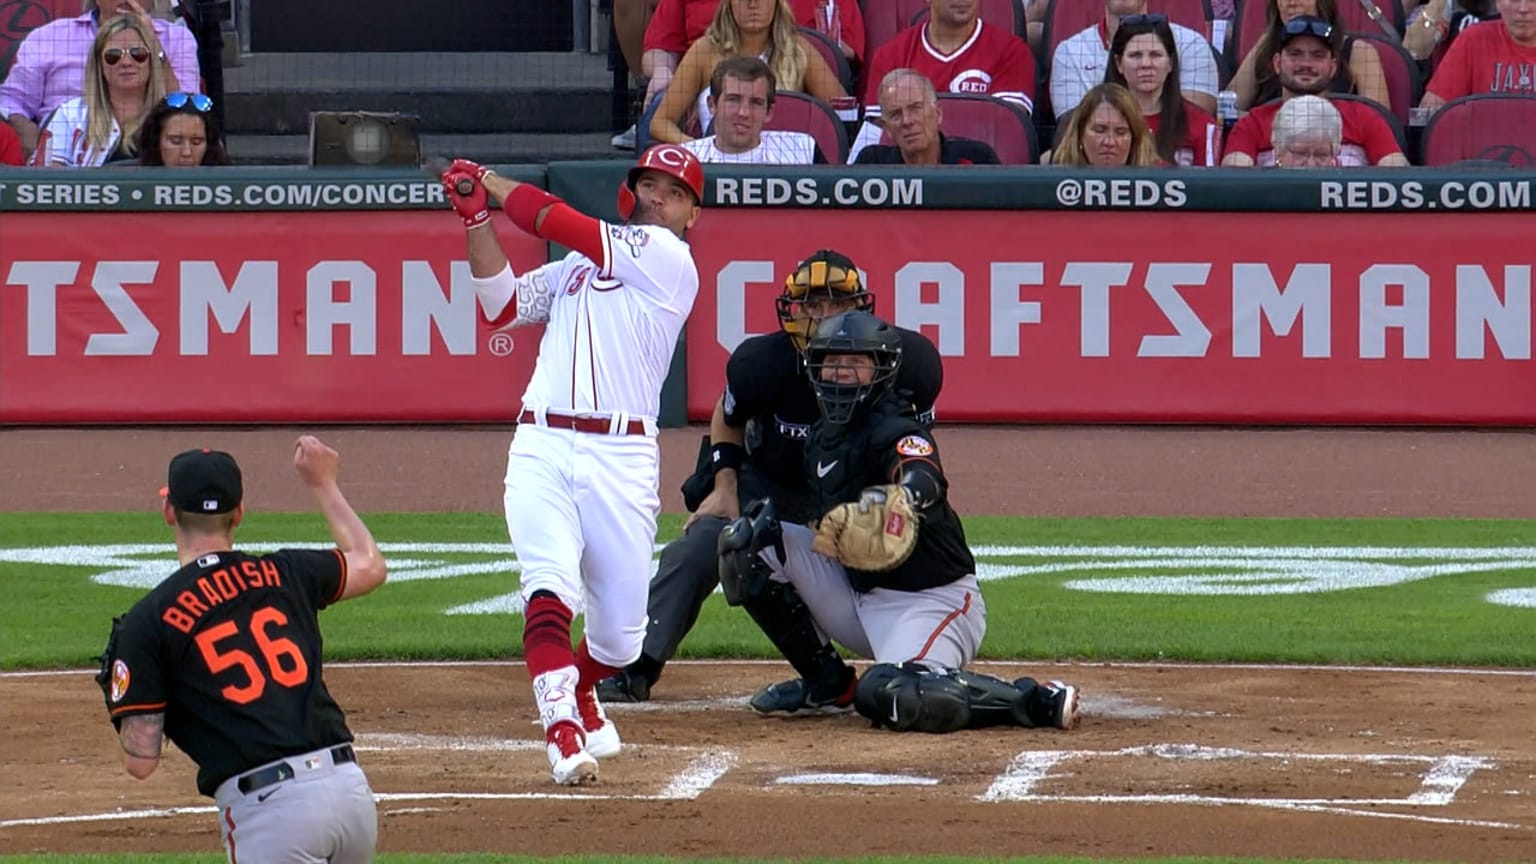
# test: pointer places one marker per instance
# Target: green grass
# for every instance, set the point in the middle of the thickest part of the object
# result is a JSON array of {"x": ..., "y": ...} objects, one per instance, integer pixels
[{"x": 53, "y": 615}]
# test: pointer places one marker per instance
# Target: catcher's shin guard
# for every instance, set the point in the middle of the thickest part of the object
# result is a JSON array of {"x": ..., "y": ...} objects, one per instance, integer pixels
[
  {"x": 910, "y": 697},
  {"x": 785, "y": 620}
]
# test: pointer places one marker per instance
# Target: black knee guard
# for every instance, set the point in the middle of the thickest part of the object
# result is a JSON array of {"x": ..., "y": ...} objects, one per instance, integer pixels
[
  {"x": 910, "y": 697},
  {"x": 743, "y": 572}
]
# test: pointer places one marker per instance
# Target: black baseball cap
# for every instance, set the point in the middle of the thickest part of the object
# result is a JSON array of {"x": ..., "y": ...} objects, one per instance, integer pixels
[
  {"x": 1307, "y": 25},
  {"x": 204, "y": 481}
]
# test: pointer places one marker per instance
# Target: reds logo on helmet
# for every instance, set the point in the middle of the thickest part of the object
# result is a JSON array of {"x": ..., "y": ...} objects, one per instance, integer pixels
[
  {"x": 971, "y": 81},
  {"x": 669, "y": 159}
]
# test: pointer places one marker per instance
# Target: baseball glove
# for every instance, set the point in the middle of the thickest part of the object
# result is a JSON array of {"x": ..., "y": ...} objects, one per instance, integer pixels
[
  {"x": 877, "y": 532},
  {"x": 107, "y": 658}
]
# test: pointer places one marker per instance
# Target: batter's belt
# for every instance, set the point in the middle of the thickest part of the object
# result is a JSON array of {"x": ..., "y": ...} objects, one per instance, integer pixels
[
  {"x": 274, "y": 774},
  {"x": 591, "y": 425}
]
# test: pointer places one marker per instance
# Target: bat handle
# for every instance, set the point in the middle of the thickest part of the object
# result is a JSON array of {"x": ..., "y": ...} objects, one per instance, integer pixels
[{"x": 465, "y": 186}]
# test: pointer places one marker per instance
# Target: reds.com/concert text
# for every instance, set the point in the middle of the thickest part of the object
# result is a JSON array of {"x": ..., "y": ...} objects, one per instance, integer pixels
[{"x": 1314, "y": 310}]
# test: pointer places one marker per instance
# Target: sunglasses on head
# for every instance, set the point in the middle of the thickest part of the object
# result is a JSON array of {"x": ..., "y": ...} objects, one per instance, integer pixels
[
  {"x": 202, "y": 104},
  {"x": 113, "y": 55},
  {"x": 1309, "y": 27},
  {"x": 1150, "y": 20}
]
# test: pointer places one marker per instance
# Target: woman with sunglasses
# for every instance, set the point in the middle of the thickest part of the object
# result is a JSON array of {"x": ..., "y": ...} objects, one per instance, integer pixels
[
  {"x": 1360, "y": 69},
  {"x": 182, "y": 132},
  {"x": 1144, "y": 59},
  {"x": 122, "y": 82},
  {"x": 1105, "y": 130}
]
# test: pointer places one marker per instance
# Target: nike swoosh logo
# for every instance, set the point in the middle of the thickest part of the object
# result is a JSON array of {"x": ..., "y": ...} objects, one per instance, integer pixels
[
  {"x": 265, "y": 795},
  {"x": 822, "y": 470}
]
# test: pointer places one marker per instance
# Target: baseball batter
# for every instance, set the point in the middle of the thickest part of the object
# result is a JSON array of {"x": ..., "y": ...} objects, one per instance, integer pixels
[
  {"x": 224, "y": 658},
  {"x": 886, "y": 572},
  {"x": 582, "y": 471},
  {"x": 756, "y": 450}
]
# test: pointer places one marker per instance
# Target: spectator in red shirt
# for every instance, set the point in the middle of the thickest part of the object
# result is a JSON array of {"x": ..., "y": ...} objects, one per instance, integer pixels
[
  {"x": 755, "y": 28},
  {"x": 959, "y": 53},
  {"x": 1492, "y": 57},
  {"x": 1359, "y": 70},
  {"x": 1305, "y": 65},
  {"x": 1105, "y": 130},
  {"x": 1309, "y": 133},
  {"x": 10, "y": 146},
  {"x": 1145, "y": 60}
]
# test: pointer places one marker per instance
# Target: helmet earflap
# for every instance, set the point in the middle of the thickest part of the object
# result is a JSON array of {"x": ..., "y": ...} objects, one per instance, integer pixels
[{"x": 669, "y": 159}]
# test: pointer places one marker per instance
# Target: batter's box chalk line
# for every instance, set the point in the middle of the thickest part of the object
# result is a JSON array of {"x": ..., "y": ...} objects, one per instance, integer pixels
[{"x": 1440, "y": 778}]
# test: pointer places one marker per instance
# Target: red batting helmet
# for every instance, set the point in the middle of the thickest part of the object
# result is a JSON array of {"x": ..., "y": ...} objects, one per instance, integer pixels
[{"x": 669, "y": 159}]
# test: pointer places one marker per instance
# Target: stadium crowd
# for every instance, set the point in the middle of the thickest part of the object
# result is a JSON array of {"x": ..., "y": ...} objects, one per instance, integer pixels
[{"x": 1065, "y": 82}]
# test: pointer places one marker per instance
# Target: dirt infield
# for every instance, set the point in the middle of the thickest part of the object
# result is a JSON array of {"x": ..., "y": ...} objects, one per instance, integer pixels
[{"x": 1171, "y": 760}]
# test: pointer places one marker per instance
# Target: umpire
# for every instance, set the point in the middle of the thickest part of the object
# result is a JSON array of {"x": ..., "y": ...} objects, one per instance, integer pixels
[{"x": 756, "y": 449}]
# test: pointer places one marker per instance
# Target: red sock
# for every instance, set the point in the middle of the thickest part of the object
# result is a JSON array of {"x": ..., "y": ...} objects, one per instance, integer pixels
[
  {"x": 546, "y": 635},
  {"x": 591, "y": 671}
]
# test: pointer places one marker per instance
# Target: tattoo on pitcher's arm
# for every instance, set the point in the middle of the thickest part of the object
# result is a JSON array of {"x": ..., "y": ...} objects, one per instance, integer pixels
[{"x": 142, "y": 735}]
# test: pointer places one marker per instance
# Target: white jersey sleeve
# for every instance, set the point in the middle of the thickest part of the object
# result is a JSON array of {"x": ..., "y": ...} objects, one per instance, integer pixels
[
  {"x": 532, "y": 293},
  {"x": 652, "y": 260}
]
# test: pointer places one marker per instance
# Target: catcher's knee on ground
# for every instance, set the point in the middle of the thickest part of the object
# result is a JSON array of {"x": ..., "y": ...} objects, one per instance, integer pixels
[{"x": 910, "y": 697}]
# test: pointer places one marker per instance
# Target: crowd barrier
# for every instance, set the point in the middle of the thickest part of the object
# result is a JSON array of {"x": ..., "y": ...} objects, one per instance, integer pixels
[{"x": 1205, "y": 296}]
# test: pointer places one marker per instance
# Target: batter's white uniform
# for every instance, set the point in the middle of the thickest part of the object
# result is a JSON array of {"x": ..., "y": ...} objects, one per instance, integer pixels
[{"x": 581, "y": 505}]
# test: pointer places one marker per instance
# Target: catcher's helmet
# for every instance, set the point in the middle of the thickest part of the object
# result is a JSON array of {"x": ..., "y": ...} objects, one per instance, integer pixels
[
  {"x": 826, "y": 275},
  {"x": 668, "y": 159},
  {"x": 856, "y": 332}
]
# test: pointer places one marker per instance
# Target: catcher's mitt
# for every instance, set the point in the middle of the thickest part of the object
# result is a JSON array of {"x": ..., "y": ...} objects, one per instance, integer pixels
[{"x": 877, "y": 532}]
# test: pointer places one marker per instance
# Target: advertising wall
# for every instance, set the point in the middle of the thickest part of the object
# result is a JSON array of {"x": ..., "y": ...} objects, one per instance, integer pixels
[{"x": 1365, "y": 297}]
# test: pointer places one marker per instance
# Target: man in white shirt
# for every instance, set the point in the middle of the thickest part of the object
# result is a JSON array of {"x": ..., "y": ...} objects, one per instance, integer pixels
[
  {"x": 1079, "y": 63},
  {"x": 741, "y": 97}
]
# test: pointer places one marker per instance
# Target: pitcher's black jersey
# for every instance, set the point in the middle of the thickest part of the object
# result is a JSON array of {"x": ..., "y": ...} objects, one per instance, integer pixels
[{"x": 229, "y": 648}]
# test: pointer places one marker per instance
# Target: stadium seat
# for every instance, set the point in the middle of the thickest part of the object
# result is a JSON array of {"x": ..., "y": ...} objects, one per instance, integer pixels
[
  {"x": 1357, "y": 19},
  {"x": 1486, "y": 127},
  {"x": 883, "y": 19},
  {"x": 802, "y": 112},
  {"x": 1003, "y": 125},
  {"x": 1405, "y": 83},
  {"x": 832, "y": 54}
]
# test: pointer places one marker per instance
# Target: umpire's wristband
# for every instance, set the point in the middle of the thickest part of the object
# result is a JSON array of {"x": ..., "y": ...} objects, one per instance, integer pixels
[{"x": 726, "y": 455}]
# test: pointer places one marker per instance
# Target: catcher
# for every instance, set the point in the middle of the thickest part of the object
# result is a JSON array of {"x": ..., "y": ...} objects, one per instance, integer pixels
[{"x": 886, "y": 572}]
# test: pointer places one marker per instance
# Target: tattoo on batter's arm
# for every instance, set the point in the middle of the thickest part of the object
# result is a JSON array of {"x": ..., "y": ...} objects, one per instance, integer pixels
[{"x": 142, "y": 735}]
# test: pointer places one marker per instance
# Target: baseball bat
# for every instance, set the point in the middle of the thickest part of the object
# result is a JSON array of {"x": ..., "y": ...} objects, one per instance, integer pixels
[{"x": 435, "y": 167}]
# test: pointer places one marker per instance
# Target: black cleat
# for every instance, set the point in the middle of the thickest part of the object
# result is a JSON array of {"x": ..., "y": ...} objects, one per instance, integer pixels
[
  {"x": 792, "y": 698},
  {"x": 624, "y": 686}
]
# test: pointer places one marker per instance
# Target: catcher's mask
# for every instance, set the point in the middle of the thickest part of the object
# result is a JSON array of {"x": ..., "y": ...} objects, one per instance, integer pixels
[
  {"x": 855, "y": 333},
  {"x": 669, "y": 159},
  {"x": 826, "y": 276}
]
